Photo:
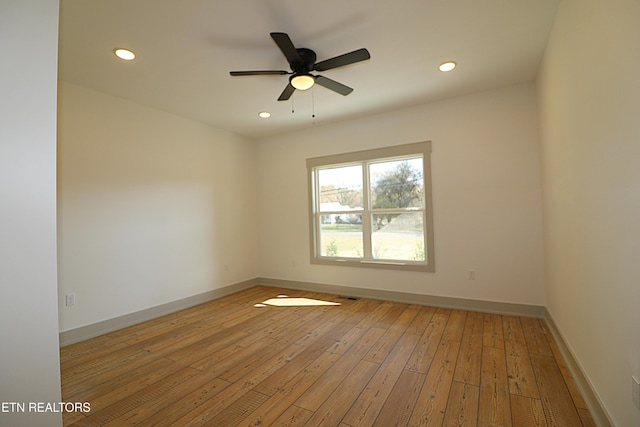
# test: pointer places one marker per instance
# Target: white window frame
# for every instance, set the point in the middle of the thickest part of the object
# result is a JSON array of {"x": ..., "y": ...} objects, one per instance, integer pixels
[{"x": 364, "y": 158}]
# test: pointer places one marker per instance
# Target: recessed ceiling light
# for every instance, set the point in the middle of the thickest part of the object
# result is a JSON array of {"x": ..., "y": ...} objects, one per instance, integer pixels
[
  {"x": 125, "y": 54},
  {"x": 264, "y": 114},
  {"x": 447, "y": 66}
]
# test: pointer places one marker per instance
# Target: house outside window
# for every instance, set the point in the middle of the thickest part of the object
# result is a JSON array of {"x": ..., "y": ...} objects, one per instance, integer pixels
[{"x": 373, "y": 208}]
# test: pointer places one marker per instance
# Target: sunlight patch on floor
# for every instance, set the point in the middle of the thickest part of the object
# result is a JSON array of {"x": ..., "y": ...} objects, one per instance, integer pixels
[{"x": 285, "y": 301}]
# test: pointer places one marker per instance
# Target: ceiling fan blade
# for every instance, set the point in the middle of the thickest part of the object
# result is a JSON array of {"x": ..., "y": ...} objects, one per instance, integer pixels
[
  {"x": 342, "y": 60},
  {"x": 258, "y": 73},
  {"x": 287, "y": 92},
  {"x": 334, "y": 85},
  {"x": 286, "y": 46}
]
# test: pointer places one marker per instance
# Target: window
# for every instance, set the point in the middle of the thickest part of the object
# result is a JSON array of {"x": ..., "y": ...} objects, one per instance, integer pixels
[{"x": 373, "y": 208}]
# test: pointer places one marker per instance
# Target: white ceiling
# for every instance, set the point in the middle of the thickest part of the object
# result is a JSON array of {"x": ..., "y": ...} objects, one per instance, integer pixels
[{"x": 186, "y": 48}]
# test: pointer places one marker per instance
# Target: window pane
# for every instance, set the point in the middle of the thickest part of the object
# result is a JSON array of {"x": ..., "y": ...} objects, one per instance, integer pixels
[
  {"x": 340, "y": 188},
  {"x": 398, "y": 236},
  {"x": 341, "y": 235},
  {"x": 397, "y": 184}
]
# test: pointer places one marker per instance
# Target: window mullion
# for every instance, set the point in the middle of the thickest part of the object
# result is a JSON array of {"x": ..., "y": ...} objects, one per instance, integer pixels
[
  {"x": 316, "y": 213},
  {"x": 366, "y": 214}
]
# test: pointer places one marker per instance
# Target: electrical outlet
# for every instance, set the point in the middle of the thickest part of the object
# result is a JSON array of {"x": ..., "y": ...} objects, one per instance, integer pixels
[
  {"x": 70, "y": 299},
  {"x": 471, "y": 275},
  {"x": 635, "y": 391}
]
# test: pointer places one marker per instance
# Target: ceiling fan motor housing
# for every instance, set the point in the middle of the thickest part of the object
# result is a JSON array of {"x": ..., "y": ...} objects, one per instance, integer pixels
[{"x": 308, "y": 60}]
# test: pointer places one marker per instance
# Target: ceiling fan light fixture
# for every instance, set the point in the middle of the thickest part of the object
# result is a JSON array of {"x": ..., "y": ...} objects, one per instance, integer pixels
[
  {"x": 302, "y": 81},
  {"x": 447, "y": 66}
]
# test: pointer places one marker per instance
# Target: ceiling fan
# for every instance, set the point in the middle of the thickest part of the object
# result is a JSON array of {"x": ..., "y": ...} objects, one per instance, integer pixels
[{"x": 302, "y": 62}]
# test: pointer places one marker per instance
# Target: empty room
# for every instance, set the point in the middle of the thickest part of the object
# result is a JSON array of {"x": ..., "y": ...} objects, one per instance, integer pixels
[{"x": 342, "y": 213}]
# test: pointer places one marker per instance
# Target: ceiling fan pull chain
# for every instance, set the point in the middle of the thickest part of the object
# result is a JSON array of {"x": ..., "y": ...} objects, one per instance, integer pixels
[{"x": 313, "y": 103}]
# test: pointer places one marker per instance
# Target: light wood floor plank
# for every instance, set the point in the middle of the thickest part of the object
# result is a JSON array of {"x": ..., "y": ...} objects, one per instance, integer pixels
[
  {"x": 554, "y": 394},
  {"x": 342, "y": 345},
  {"x": 383, "y": 347},
  {"x": 425, "y": 351},
  {"x": 212, "y": 344},
  {"x": 73, "y": 355},
  {"x": 121, "y": 384},
  {"x": 470, "y": 356},
  {"x": 283, "y": 398},
  {"x": 391, "y": 316},
  {"x": 494, "y": 407},
  {"x": 432, "y": 401},
  {"x": 143, "y": 398},
  {"x": 172, "y": 404},
  {"x": 462, "y": 406},
  {"x": 527, "y": 412},
  {"x": 329, "y": 382},
  {"x": 235, "y": 391},
  {"x": 535, "y": 336},
  {"x": 293, "y": 417},
  {"x": 422, "y": 319},
  {"x": 521, "y": 378},
  {"x": 332, "y": 410},
  {"x": 276, "y": 381},
  {"x": 492, "y": 332},
  {"x": 401, "y": 401},
  {"x": 235, "y": 413},
  {"x": 455, "y": 326},
  {"x": 366, "y": 408}
]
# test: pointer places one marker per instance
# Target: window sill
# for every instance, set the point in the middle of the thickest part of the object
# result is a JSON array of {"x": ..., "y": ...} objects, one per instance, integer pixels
[{"x": 387, "y": 265}]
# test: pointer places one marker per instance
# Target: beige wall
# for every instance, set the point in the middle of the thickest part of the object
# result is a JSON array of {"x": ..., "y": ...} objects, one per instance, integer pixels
[
  {"x": 152, "y": 207},
  {"x": 486, "y": 197},
  {"x": 590, "y": 135},
  {"x": 29, "y": 361}
]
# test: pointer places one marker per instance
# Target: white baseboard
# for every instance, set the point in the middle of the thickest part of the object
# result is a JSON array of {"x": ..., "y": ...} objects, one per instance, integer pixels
[
  {"x": 410, "y": 298},
  {"x": 593, "y": 402},
  {"x": 85, "y": 332}
]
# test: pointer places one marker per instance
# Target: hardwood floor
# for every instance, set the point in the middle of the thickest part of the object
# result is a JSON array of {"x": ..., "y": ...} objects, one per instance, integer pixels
[{"x": 360, "y": 363}]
